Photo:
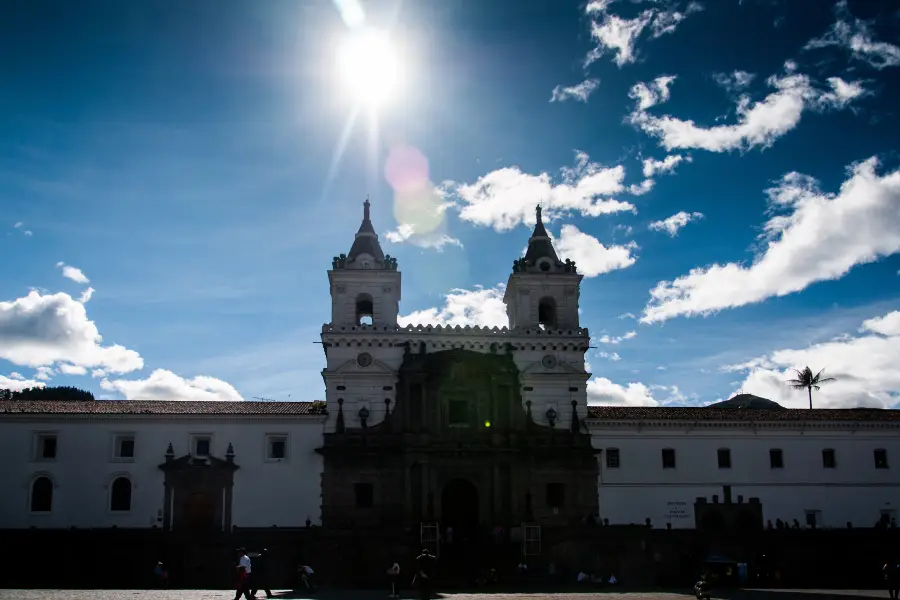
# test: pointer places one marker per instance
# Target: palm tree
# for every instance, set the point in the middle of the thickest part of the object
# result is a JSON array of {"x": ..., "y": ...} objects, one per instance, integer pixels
[{"x": 806, "y": 380}]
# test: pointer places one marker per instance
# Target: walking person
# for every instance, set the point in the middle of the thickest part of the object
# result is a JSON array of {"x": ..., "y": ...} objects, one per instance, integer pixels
[
  {"x": 393, "y": 577},
  {"x": 891, "y": 570},
  {"x": 260, "y": 578},
  {"x": 425, "y": 572},
  {"x": 244, "y": 569}
]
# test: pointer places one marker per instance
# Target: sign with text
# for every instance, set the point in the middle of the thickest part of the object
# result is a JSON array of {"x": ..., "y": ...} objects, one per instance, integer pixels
[{"x": 677, "y": 510}]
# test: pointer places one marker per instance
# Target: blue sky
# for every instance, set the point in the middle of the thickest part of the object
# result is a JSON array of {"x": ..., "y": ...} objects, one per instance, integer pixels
[{"x": 174, "y": 184}]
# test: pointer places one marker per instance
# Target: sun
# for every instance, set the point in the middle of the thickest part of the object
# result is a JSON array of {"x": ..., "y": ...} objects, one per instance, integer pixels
[{"x": 369, "y": 67}]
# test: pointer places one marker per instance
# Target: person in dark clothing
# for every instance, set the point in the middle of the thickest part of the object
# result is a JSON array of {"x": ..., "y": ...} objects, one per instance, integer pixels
[
  {"x": 425, "y": 573},
  {"x": 259, "y": 579},
  {"x": 891, "y": 571}
]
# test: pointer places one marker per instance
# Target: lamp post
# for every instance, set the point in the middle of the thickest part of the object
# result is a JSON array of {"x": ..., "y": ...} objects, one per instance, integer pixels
[{"x": 363, "y": 416}]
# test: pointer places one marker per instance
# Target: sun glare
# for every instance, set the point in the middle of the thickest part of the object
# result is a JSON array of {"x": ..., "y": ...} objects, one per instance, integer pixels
[{"x": 369, "y": 67}]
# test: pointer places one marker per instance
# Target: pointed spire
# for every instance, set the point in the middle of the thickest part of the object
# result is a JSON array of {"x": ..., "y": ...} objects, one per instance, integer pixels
[
  {"x": 539, "y": 245},
  {"x": 366, "y": 240}
]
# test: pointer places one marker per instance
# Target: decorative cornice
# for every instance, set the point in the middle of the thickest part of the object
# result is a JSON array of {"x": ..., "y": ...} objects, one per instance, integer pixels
[
  {"x": 36, "y": 417},
  {"x": 595, "y": 424},
  {"x": 505, "y": 332}
]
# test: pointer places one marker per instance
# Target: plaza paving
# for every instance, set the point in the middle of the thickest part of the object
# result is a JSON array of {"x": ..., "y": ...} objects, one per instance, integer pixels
[{"x": 369, "y": 595}]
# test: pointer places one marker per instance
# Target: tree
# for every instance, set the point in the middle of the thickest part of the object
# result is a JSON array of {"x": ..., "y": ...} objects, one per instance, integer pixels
[
  {"x": 806, "y": 380},
  {"x": 67, "y": 393}
]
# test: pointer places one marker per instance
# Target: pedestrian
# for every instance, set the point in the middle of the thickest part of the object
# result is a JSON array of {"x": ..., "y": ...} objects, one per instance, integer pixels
[
  {"x": 425, "y": 572},
  {"x": 244, "y": 570},
  {"x": 393, "y": 577},
  {"x": 260, "y": 578}
]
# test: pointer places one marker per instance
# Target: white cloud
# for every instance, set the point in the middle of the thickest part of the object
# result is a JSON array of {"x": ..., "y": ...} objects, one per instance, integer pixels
[
  {"x": 653, "y": 93},
  {"x": 673, "y": 224},
  {"x": 18, "y": 383},
  {"x": 40, "y": 330},
  {"x": 67, "y": 369},
  {"x": 166, "y": 385},
  {"x": 606, "y": 339},
  {"x": 601, "y": 390},
  {"x": 481, "y": 306},
  {"x": 618, "y": 35},
  {"x": 612, "y": 356},
  {"x": 580, "y": 92},
  {"x": 759, "y": 124},
  {"x": 864, "y": 365},
  {"x": 506, "y": 197},
  {"x": 44, "y": 373},
  {"x": 407, "y": 233},
  {"x": 667, "y": 165},
  {"x": 73, "y": 273},
  {"x": 856, "y": 37},
  {"x": 734, "y": 81},
  {"x": 821, "y": 238},
  {"x": 21, "y": 227},
  {"x": 86, "y": 295},
  {"x": 98, "y": 373},
  {"x": 592, "y": 256}
]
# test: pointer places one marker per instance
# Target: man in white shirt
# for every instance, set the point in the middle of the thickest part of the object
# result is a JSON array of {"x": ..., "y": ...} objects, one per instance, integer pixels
[{"x": 244, "y": 568}]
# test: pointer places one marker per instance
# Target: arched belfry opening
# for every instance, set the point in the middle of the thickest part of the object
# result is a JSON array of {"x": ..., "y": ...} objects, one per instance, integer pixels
[
  {"x": 547, "y": 313},
  {"x": 365, "y": 309}
]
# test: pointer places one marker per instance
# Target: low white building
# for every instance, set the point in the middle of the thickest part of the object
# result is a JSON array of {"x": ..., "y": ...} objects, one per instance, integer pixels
[
  {"x": 825, "y": 468},
  {"x": 97, "y": 464}
]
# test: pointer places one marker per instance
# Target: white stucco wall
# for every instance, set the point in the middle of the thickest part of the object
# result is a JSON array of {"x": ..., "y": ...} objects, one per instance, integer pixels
[
  {"x": 854, "y": 491},
  {"x": 265, "y": 493}
]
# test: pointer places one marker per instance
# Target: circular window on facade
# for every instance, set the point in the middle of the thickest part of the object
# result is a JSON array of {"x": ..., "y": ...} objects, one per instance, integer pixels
[
  {"x": 364, "y": 359},
  {"x": 549, "y": 362}
]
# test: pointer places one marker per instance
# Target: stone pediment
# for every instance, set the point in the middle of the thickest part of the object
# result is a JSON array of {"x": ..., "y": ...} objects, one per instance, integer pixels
[
  {"x": 189, "y": 462},
  {"x": 352, "y": 368},
  {"x": 561, "y": 368}
]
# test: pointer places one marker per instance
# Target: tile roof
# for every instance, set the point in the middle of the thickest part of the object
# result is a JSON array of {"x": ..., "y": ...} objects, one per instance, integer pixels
[
  {"x": 156, "y": 407},
  {"x": 683, "y": 413}
]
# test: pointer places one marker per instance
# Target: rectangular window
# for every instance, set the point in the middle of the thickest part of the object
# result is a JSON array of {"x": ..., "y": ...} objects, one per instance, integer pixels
[
  {"x": 202, "y": 445},
  {"x": 556, "y": 495},
  {"x": 45, "y": 446},
  {"x": 668, "y": 458},
  {"x": 276, "y": 447},
  {"x": 724, "y": 455},
  {"x": 814, "y": 518},
  {"x": 612, "y": 458},
  {"x": 458, "y": 412},
  {"x": 881, "y": 461},
  {"x": 829, "y": 460},
  {"x": 776, "y": 458},
  {"x": 123, "y": 447},
  {"x": 364, "y": 495}
]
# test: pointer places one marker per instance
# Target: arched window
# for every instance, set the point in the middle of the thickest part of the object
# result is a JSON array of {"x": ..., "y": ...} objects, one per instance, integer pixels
[
  {"x": 547, "y": 313},
  {"x": 42, "y": 495},
  {"x": 365, "y": 309},
  {"x": 120, "y": 495}
]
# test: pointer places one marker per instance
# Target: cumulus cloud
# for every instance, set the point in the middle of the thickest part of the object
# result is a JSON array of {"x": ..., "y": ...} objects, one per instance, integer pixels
[
  {"x": 855, "y": 36},
  {"x": 734, "y": 81},
  {"x": 67, "y": 369},
  {"x": 166, "y": 385},
  {"x": 673, "y": 224},
  {"x": 41, "y": 330},
  {"x": 592, "y": 256},
  {"x": 665, "y": 166},
  {"x": 611, "y": 356},
  {"x": 73, "y": 273},
  {"x": 16, "y": 383},
  {"x": 21, "y": 227},
  {"x": 619, "y": 36},
  {"x": 602, "y": 391},
  {"x": 864, "y": 365},
  {"x": 812, "y": 236},
  {"x": 505, "y": 198},
  {"x": 653, "y": 93},
  {"x": 758, "y": 124},
  {"x": 480, "y": 306},
  {"x": 607, "y": 339},
  {"x": 406, "y": 232},
  {"x": 580, "y": 92}
]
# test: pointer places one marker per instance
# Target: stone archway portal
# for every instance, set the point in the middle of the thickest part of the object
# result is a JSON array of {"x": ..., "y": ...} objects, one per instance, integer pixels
[{"x": 459, "y": 505}]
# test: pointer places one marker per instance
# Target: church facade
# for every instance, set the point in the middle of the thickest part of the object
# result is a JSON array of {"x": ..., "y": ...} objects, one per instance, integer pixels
[{"x": 427, "y": 427}]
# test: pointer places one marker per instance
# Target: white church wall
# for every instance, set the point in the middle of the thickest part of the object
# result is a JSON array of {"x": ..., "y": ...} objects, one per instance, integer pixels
[
  {"x": 266, "y": 492},
  {"x": 854, "y": 490}
]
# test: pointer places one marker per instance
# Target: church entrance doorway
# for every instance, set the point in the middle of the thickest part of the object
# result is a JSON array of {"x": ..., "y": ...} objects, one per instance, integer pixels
[{"x": 459, "y": 507}]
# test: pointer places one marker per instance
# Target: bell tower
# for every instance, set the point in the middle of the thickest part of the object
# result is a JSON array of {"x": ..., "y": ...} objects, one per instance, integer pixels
[
  {"x": 542, "y": 291},
  {"x": 365, "y": 284}
]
